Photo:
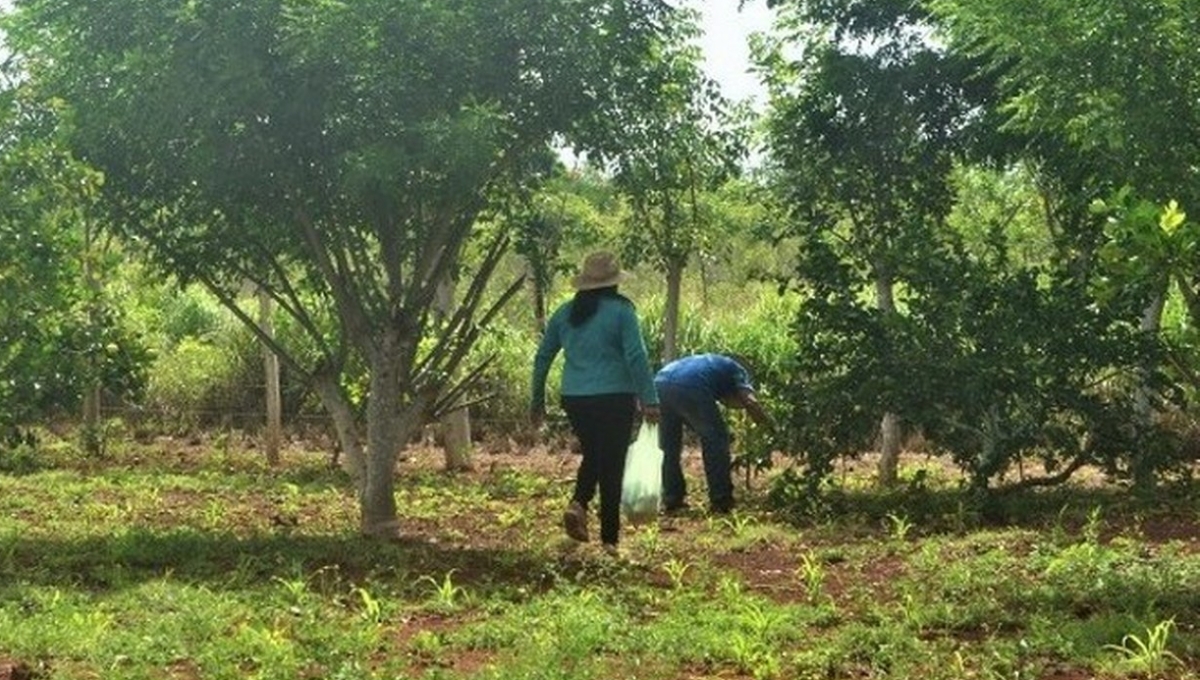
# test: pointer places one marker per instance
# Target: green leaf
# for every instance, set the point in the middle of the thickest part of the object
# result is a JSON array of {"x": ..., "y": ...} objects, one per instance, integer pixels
[{"x": 1172, "y": 217}]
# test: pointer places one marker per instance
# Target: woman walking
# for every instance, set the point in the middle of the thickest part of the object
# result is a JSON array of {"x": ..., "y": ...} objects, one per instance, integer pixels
[{"x": 606, "y": 381}]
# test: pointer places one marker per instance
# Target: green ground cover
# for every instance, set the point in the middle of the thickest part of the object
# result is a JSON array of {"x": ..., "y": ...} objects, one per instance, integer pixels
[{"x": 167, "y": 561}]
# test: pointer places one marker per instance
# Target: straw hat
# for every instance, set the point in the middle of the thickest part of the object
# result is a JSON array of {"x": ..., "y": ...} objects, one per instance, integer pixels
[{"x": 600, "y": 270}]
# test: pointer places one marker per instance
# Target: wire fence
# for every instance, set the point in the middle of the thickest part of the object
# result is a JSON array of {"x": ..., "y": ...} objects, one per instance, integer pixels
[{"x": 309, "y": 425}]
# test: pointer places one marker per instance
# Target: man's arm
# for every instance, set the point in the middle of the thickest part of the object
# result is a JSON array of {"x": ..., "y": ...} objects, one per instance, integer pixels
[
  {"x": 745, "y": 399},
  {"x": 755, "y": 409}
]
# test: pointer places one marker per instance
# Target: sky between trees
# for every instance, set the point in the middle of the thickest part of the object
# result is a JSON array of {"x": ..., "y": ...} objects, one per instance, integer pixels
[{"x": 726, "y": 53}]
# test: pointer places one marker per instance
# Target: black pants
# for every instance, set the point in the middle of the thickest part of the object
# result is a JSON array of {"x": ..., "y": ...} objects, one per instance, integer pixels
[{"x": 604, "y": 425}]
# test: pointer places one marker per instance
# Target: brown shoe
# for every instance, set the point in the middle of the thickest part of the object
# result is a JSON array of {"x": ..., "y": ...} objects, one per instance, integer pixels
[{"x": 575, "y": 522}]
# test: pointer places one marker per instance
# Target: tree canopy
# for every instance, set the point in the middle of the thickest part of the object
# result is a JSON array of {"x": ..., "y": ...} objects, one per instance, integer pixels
[{"x": 342, "y": 148}]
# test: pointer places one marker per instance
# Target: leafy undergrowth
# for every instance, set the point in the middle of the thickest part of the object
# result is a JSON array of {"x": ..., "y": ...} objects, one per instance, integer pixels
[{"x": 173, "y": 561}]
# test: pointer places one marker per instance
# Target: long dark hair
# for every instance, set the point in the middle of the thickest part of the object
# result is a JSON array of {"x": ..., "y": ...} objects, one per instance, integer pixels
[{"x": 586, "y": 302}]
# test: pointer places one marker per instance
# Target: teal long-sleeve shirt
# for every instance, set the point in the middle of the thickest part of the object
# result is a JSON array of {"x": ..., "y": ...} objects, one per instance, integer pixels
[{"x": 603, "y": 355}]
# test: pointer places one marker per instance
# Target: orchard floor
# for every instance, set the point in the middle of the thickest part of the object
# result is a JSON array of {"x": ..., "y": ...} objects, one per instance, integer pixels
[
  {"x": 496, "y": 529},
  {"x": 765, "y": 549},
  {"x": 556, "y": 464}
]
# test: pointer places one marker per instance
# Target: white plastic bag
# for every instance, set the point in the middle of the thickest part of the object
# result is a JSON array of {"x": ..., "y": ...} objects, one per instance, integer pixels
[{"x": 641, "y": 484}]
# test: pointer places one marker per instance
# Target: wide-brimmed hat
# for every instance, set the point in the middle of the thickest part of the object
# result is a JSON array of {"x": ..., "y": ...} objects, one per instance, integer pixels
[{"x": 600, "y": 270}]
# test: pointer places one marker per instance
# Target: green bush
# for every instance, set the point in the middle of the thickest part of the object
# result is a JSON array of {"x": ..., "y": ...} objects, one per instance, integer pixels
[
  {"x": 18, "y": 453},
  {"x": 505, "y": 389},
  {"x": 754, "y": 334},
  {"x": 194, "y": 381},
  {"x": 191, "y": 314},
  {"x": 757, "y": 331}
]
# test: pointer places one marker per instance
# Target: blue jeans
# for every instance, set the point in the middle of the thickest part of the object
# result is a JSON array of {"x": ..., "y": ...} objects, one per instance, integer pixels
[{"x": 679, "y": 405}]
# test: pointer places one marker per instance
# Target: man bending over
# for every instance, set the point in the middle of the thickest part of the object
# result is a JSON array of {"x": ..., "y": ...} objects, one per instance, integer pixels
[{"x": 689, "y": 390}]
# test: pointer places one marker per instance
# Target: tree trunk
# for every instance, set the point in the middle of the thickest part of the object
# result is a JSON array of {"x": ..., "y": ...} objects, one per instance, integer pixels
[
  {"x": 352, "y": 459},
  {"x": 1189, "y": 288},
  {"x": 93, "y": 443},
  {"x": 889, "y": 449},
  {"x": 1144, "y": 478},
  {"x": 388, "y": 427},
  {"x": 539, "y": 300},
  {"x": 671, "y": 313},
  {"x": 456, "y": 440},
  {"x": 93, "y": 439},
  {"x": 455, "y": 425},
  {"x": 274, "y": 401},
  {"x": 889, "y": 426}
]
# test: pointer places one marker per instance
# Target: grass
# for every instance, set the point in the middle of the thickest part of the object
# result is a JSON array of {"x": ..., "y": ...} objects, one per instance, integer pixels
[{"x": 160, "y": 562}]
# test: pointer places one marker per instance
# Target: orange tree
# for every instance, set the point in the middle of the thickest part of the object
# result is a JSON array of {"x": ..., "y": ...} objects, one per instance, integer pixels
[
  {"x": 1106, "y": 97},
  {"x": 899, "y": 316},
  {"x": 59, "y": 336},
  {"x": 865, "y": 124}
]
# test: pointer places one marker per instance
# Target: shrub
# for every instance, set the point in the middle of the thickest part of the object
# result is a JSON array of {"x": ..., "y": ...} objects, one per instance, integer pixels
[
  {"x": 18, "y": 452},
  {"x": 504, "y": 392},
  {"x": 194, "y": 382}
]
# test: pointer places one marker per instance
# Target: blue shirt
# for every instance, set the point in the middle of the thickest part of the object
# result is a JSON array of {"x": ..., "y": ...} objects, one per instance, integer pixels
[
  {"x": 715, "y": 374},
  {"x": 603, "y": 355}
]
